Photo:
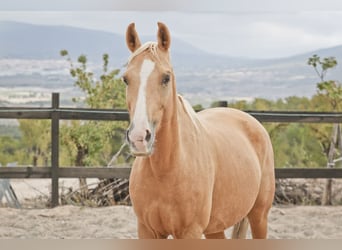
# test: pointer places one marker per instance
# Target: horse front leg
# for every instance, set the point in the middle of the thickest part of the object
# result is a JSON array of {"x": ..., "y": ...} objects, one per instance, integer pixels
[
  {"x": 145, "y": 233},
  {"x": 219, "y": 235},
  {"x": 194, "y": 232}
]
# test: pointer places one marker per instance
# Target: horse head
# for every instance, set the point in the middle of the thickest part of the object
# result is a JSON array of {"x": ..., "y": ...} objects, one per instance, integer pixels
[{"x": 150, "y": 86}]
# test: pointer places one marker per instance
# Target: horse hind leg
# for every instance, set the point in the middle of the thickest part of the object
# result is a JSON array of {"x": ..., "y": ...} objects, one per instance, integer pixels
[
  {"x": 258, "y": 222},
  {"x": 258, "y": 216},
  {"x": 240, "y": 229}
]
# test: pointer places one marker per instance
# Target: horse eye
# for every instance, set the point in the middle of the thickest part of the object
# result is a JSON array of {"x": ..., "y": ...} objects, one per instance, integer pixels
[
  {"x": 124, "y": 79},
  {"x": 166, "y": 79}
]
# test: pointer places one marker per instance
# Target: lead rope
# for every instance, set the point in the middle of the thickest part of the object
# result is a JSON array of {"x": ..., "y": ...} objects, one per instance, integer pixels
[{"x": 115, "y": 157}]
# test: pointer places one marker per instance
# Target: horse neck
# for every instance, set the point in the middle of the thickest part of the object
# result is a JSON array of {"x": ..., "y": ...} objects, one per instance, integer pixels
[{"x": 167, "y": 147}]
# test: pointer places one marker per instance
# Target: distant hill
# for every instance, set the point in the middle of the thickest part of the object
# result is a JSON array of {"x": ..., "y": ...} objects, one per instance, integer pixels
[
  {"x": 28, "y": 41},
  {"x": 201, "y": 76},
  {"x": 335, "y": 51}
]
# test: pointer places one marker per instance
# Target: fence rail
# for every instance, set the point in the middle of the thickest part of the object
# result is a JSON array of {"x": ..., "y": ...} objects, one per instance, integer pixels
[
  {"x": 124, "y": 172},
  {"x": 122, "y": 115},
  {"x": 65, "y": 172},
  {"x": 55, "y": 114},
  {"x": 64, "y": 114}
]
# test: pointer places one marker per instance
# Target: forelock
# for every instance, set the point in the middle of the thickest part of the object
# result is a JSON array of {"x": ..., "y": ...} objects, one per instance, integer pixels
[{"x": 150, "y": 46}]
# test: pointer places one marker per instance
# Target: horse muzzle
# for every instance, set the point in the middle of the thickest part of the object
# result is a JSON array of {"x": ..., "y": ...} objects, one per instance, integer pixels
[{"x": 140, "y": 141}]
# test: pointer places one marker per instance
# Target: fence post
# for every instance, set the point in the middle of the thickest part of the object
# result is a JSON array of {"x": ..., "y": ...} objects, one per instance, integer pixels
[
  {"x": 54, "y": 150},
  {"x": 223, "y": 104},
  {"x": 327, "y": 195}
]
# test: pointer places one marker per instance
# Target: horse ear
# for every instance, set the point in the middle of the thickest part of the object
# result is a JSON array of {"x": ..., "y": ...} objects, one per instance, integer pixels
[
  {"x": 132, "y": 38},
  {"x": 164, "y": 37}
]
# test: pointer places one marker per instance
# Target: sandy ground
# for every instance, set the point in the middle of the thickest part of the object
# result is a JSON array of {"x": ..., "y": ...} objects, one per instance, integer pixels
[{"x": 71, "y": 222}]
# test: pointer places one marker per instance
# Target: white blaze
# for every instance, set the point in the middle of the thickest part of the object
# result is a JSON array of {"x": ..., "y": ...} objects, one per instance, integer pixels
[{"x": 140, "y": 114}]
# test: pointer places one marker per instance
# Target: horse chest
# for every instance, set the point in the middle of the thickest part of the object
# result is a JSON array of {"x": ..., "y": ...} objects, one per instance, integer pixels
[
  {"x": 164, "y": 195},
  {"x": 168, "y": 205},
  {"x": 165, "y": 217}
]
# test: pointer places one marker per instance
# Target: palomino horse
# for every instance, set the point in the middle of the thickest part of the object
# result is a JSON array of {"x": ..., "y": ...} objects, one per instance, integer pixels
[{"x": 194, "y": 174}]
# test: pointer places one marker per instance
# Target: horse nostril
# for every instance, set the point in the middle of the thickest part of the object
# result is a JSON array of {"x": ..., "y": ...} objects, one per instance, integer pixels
[
  {"x": 127, "y": 135},
  {"x": 148, "y": 135}
]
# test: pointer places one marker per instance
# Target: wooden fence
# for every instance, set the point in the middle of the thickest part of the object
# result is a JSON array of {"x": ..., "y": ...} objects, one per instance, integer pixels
[{"x": 55, "y": 113}]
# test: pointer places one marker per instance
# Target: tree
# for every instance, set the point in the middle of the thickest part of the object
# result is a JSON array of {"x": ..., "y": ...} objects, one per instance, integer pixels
[
  {"x": 11, "y": 150},
  {"x": 331, "y": 92},
  {"x": 106, "y": 92},
  {"x": 36, "y": 136},
  {"x": 92, "y": 142}
]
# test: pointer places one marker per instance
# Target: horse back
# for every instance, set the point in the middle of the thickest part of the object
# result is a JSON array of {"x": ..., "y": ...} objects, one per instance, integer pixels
[{"x": 238, "y": 131}]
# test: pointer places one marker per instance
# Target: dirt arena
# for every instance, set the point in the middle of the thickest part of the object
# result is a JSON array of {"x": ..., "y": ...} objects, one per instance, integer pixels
[{"x": 119, "y": 222}]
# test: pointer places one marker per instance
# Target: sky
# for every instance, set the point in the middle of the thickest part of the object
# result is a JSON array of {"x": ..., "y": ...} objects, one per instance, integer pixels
[
  {"x": 254, "y": 29},
  {"x": 179, "y": 5}
]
